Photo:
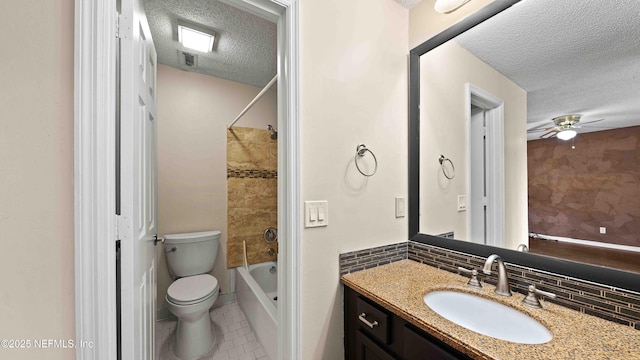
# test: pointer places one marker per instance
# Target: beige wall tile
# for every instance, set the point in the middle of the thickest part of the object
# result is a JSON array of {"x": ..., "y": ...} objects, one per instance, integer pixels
[
  {"x": 244, "y": 221},
  {"x": 258, "y": 135},
  {"x": 253, "y": 202},
  {"x": 235, "y": 192},
  {"x": 273, "y": 155},
  {"x": 261, "y": 193},
  {"x": 248, "y": 155},
  {"x": 234, "y": 252},
  {"x": 257, "y": 250},
  {"x": 235, "y": 134}
]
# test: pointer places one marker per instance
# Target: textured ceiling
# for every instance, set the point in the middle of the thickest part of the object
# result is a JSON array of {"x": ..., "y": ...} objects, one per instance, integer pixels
[
  {"x": 408, "y": 3},
  {"x": 571, "y": 56},
  {"x": 244, "y": 48}
]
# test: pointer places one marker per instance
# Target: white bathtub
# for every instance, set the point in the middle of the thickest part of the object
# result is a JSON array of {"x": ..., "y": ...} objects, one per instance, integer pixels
[{"x": 256, "y": 292}]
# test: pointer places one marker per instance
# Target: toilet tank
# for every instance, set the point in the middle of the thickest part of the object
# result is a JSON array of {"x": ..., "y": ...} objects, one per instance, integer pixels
[{"x": 195, "y": 253}]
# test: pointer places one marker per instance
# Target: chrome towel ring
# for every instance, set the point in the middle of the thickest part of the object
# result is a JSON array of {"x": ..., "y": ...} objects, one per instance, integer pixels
[
  {"x": 361, "y": 151},
  {"x": 442, "y": 160}
]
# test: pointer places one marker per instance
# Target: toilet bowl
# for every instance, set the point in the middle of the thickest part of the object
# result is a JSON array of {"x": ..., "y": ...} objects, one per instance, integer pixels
[
  {"x": 190, "y": 257},
  {"x": 190, "y": 299}
]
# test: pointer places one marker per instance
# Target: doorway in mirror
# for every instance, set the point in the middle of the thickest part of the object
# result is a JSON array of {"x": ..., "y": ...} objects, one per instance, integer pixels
[{"x": 485, "y": 123}]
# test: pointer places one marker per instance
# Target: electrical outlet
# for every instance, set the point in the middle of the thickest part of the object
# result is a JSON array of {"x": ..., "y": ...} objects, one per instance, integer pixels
[{"x": 603, "y": 230}]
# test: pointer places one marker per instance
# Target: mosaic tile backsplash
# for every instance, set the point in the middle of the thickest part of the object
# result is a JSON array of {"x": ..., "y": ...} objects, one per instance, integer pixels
[
  {"x": 603, "y": 301},
  {"x": 369, "y": 258}
]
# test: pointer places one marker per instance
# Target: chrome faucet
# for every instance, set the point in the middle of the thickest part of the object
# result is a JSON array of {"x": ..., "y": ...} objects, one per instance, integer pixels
[{"x": 502, "y": 288}]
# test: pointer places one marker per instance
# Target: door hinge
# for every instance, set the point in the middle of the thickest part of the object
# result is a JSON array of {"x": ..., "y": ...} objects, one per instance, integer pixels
[
  {"x": 117, "y": 26},
  {"x": 123, "y": 31},
  {"x": 116, "y": 226}
]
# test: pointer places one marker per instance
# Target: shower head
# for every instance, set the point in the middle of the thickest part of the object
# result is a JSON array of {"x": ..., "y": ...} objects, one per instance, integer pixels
[{"x": 274, "y": 132}]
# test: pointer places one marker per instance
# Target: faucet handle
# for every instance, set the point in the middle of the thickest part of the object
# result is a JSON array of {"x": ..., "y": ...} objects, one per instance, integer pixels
[
  {"x": 532, "y": 300},
  {"x": 473, "y": 282}
]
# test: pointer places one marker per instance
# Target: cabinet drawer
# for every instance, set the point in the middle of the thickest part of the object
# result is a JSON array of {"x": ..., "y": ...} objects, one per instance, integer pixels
[{"x": 373, "y": 320}]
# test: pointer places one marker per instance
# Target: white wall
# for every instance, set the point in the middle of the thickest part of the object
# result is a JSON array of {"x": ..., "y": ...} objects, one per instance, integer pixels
[
  {"x": 193, "y": 113},
  {"x": 353, "y": 90},
  {"x": 36, "y": 176},
  {"x": 444, "y": 72}
]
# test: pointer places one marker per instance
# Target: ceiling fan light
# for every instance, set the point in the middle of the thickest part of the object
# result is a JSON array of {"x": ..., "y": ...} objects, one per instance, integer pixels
[
  {"x": 567, "y": 134},
  {"x": 448, "y": 6}
]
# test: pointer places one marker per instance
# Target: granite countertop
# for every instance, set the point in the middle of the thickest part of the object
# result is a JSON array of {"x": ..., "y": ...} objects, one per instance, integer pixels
[{"x": 400, "y": 287}]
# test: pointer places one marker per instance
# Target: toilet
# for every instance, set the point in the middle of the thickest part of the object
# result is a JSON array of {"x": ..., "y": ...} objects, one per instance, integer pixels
[{"x": 190, "y": 258}]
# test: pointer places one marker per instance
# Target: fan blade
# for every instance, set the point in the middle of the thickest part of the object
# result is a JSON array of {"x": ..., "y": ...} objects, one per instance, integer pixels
[
  {"x": 546, "y": 124},
  {"x": 591, "y": 122},
  {"x": 552, "y": 132},
  {"x": 539, "y": 130}
]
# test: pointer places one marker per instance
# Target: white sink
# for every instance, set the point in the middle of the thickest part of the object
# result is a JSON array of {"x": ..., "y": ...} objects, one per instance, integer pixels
[{"x": 487, "y": 317}]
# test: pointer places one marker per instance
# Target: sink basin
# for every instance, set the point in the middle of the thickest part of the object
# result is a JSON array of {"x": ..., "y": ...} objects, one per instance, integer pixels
[{"x": 487, "y": 317}]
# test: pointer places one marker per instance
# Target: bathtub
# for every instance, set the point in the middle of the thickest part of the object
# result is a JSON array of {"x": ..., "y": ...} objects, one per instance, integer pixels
[{"x": 256, "y": 294}]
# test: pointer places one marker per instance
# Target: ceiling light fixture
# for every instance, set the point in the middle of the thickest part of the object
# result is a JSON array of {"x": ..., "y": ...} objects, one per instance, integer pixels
[
  {"x": 566, "y": 134},
  {"x": 195, "y": 39},
  {"x": 448, "y": 6}
]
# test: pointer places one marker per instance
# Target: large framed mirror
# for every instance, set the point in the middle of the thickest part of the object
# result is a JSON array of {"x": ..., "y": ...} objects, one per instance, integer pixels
[{"x": 490, "y": 99}]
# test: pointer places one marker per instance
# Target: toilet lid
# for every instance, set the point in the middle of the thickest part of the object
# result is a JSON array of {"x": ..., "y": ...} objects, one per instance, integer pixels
[{"x": 192, "y": 288}]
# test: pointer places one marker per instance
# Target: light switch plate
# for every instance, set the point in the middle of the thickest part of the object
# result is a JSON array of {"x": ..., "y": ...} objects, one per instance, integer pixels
[
  {"x": 462, "y": 203},
  {"x": 400, "y": 207},
  {"x": 316, "y": 213}
]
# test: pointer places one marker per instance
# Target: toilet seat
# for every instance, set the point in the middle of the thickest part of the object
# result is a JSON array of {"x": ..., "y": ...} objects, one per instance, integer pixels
[{"x": 192, "y": 289}]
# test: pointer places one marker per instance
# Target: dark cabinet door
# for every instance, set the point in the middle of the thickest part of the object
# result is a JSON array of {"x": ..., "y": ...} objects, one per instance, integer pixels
[
  {"x": 390, "y": 338},
  {"x": 420, "y": 347},
  {"x": 366, "y": 349}
]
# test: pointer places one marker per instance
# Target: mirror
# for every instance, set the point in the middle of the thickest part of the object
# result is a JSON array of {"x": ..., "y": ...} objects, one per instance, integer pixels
[{"x": 512, "y": 75}]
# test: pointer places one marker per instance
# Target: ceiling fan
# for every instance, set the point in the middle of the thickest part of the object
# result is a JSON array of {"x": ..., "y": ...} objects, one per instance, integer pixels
[{"x": 564, "y": 128}]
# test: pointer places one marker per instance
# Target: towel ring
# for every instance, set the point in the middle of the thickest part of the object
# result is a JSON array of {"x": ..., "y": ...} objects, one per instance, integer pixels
[
  {"x": 442, "y": 160},
  {"x": 361, "y": 151}
]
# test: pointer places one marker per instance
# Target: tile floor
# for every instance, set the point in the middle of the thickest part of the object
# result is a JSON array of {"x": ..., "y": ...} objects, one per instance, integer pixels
[{"x": 234, "y": 339}]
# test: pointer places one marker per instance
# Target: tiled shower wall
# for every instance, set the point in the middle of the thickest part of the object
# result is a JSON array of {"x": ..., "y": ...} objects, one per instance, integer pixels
[
  {"x": 252, "y": 194},
  {"x": 603, "y": 301}
]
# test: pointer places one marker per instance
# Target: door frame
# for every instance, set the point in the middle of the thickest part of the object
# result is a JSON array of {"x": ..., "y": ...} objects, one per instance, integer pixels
[
  {"x": 94, "y": 174},
  {"x": 494, "y": 107}
]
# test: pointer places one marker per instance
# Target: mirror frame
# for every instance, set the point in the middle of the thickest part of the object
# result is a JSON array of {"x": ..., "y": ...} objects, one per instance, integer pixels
[{"x": 602, "y": 275}]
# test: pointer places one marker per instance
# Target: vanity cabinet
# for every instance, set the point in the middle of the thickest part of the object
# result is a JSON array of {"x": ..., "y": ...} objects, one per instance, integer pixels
[{"x": 374, "y": 333}]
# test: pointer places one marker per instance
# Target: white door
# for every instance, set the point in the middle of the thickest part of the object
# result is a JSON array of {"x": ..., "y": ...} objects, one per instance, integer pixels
[
  {"x": 137, "y": 221},
  {"x": 485, "y": 177},
  {"x": 478, "y": 192}
]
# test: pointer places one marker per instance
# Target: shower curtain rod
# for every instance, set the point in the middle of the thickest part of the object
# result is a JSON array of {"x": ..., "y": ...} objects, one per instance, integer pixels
[{"x": 254, "y": 100}]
